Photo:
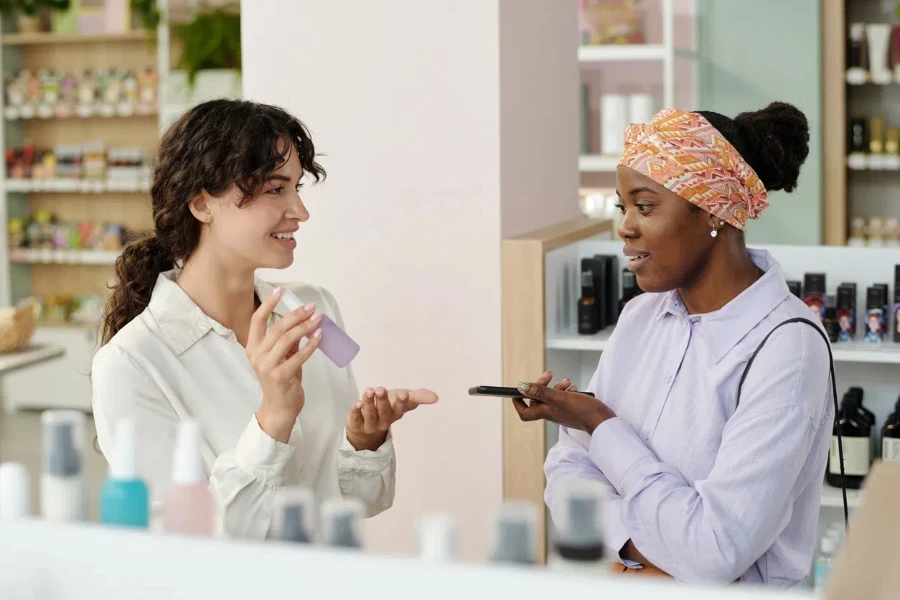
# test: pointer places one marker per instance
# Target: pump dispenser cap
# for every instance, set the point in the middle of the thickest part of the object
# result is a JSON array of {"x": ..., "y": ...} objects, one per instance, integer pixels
[
  {"x": 63, "y": 432},
  {"x": 580, "y": 520},
  {"x": 515, "y": 529},
  {"x": 15, "y": 500},
  {"x": 437, "y": 538},
  {"x": 188, "y": 466},
  {"x": 294, "y": 506},
  {"x": 829, "y": 544},
  {"x": 123, "y": 465},
  {"x": 340, "y": 522}
]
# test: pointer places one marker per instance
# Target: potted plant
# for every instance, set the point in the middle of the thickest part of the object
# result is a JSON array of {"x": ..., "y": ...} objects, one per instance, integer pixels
[
  {"x": 211, "y": 53},
  {"x": 32, "y": 16}
]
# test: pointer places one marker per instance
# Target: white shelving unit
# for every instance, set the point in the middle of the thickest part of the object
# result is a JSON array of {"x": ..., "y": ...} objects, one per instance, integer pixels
[
  {"x": 832, "y": 498},
  {"x": 664, "y": 53}
]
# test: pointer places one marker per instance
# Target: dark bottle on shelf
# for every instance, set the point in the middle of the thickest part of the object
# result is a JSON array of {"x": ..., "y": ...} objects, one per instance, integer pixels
[
  {"x": 830, "y": 322},
  {"x": 890, "y": 436},
  {"x": 630, "y": 288},
  {"x": 587, "y": 304},
  {"x": 859, "y": 136},
  {"x": 855, "y": 431},
  {"x": 856, "y": 393}
]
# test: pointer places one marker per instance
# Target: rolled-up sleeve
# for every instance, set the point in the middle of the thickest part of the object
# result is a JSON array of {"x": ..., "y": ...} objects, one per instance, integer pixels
[
  {"x": 715, "y": 529},
  {"x": 368, "y": 475}
]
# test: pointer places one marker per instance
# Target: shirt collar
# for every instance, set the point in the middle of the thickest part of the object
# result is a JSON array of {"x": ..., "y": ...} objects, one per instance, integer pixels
[
  {"x": 179, "y": 317},
  {"x": 727, "y": 326}
]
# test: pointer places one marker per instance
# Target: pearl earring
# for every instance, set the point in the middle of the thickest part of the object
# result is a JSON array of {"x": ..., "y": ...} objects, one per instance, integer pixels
[{"x": 714, "y": 233}]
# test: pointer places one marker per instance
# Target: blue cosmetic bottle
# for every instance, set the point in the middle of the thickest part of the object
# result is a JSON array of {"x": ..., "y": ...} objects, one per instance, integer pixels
[{"x": 124, "y": 498}]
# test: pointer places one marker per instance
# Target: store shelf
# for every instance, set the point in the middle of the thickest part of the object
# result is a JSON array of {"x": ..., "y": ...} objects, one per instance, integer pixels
[
  {"x": 48, "y": 38},
  {"x": 858, "y": 77},
  {"x": 84, "y": 186},
  {"x": 95, "y": 114},
  {"x": 852, "y": 352},
  {"x": 832, "y": 497},
  {"x": 621, "y": 53},
  {"x": 597, "y": 163},
  {"x": 873, "y": 162},
  {"x": 66, "y": 257}
]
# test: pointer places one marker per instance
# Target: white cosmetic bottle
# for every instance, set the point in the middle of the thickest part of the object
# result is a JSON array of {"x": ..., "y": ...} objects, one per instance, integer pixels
[
  {"x": 15, "y": 494},
  {"x": 62, "y": 484},
  {"x": 438, "y": 538},
  {"x": 578, "y": 540}
]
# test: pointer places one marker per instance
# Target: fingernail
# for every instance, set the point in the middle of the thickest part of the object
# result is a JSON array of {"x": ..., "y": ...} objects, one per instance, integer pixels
[
  {"x": 546, "y": 372},
  {"x": 277, "y": 292},
  {"x": 523, "y": 386},
  {"x": 380, "y": 391},
  {"x": 370, "y": 393},
  {"x": 310, "y": 306},
  {"x": 315, "y": 316},
  {"x": 358, "y": 405},
  {"x": 317, "y": 334}
]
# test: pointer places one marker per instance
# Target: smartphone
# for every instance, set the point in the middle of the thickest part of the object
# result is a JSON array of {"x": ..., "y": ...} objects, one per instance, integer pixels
[{"x": 504, "y": 392}]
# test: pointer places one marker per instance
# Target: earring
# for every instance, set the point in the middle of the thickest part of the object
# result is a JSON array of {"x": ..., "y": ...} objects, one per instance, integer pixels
[{"x": 714, "y": 233}]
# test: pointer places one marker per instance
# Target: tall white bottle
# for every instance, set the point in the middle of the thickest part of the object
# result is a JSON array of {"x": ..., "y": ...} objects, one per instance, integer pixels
[
  {"x": 62, "y": 482},
  {"x": 438, "y": 538},
  {"x": 15, "y": 491}
]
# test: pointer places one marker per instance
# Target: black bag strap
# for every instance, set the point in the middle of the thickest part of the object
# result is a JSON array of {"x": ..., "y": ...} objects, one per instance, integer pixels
[{"x": 833, "y": 392}]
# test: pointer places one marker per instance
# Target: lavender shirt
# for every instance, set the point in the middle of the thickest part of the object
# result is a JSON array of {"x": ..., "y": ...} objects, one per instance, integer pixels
[{"x": 707, "y": 491}]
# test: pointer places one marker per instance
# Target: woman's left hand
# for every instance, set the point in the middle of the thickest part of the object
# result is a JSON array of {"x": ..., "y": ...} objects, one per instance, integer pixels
[
  {"x": 562, "y": 404},
  {"x": 370, "y": 419}
]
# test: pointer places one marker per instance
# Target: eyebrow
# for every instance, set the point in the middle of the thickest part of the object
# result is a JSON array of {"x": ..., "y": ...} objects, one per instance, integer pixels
[
  {"x": 279, "y": 178},
  {"x": 637, "y": 190}
]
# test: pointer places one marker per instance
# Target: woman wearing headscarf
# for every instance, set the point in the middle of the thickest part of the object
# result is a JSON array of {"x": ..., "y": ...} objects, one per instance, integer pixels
[{"x": 713, "y": 474}]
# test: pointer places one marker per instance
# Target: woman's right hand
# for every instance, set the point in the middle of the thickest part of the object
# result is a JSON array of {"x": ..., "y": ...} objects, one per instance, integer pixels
[{"x": 277, "y": 359}]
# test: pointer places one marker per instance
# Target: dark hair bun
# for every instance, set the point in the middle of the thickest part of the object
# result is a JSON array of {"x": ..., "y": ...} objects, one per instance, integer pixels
[{"x": 774, "y": 141}]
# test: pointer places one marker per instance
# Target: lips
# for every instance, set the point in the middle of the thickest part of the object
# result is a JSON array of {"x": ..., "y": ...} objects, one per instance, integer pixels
[
  {"x": 283, "y": 235},
  {"x": 636, "y": 258}
]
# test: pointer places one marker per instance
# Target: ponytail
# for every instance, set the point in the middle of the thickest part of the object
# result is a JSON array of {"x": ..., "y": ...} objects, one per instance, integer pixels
[{"x": 137, "y": 269}]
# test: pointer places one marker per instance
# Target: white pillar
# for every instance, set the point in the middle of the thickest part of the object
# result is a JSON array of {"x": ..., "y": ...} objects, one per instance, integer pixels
[{"x": 443, "y": 125}]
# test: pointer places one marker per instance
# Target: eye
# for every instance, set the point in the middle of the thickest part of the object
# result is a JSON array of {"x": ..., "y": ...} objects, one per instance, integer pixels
[
  {"x": 276, "y": 191},
  {"x": 621, "y": 208},
  {"x": 299, "y": 187},
  {"x": 643, "y": 208}
]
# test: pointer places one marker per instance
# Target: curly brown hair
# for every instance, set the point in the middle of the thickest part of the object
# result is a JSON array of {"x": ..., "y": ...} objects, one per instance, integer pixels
[{"x": 213, "y": 146}]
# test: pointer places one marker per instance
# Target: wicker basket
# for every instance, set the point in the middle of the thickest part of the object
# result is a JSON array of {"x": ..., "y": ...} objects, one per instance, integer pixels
[{"x": 17, "y": 324}]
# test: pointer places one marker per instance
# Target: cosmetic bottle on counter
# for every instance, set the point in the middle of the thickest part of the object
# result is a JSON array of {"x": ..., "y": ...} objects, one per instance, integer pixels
[
  {"x": 340, "y": 523},
  {"x": 437, "y": 538},
  {"x": 587, "y": 303},
  {"x": 515, "y": 534},
  {"x": 858, "y": 60},
  {"x": 827, "y": 548},
  {"x": 124, "y": 498},
  {"x": 857, "y": 446},
  {"x": 890, "y": 436},
  {"x": 62, "y": 483},
  {"x": 814, "y": 293},
  {"x": 578, "y": 540},
  {"x": 294, "y": 514},
  {"x": 189, "y": 505},
  {"x": 15, "y": 491}
]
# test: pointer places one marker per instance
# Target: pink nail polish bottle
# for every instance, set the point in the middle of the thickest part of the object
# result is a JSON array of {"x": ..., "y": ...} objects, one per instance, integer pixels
[
  {"x": 189, "y": 508},
  {"x": 335, "y": 344}
]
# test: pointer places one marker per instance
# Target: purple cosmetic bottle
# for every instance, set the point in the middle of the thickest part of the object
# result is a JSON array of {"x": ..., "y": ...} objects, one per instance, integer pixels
[{"x": 335, "y": 344}]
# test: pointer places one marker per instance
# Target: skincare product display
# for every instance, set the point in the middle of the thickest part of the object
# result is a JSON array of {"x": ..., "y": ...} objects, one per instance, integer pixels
[
  {"x": 857, "y": 428},
  {"x": 107, "y": 93},
  {"x": 43, "y": 230},
  {"x": 611, "y": 22},
  {"x": 600, "y": 303},
  {"x": 873, "y": 144},
  {"x": 874, "y": 54},
  {"x": 814, "y": 293},
  {"x": 87, "y": 167},
  {"x": 876, "y": 313}
]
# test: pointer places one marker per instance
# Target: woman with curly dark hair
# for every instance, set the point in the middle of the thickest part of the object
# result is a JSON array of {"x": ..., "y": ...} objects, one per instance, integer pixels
[{"x": 190, "y": 333}]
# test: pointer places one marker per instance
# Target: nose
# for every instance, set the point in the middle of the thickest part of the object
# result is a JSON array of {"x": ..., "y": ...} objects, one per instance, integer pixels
[
  {"x": 627, "y": 228},
  {"x": 297, "y": 210}
]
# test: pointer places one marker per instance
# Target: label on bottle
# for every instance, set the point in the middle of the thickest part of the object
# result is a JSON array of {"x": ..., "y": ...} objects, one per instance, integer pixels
[
  {"x": 890, "y": 449},
  {"x": 857, "y": 452},
  {"x": 820, "y": 575}
]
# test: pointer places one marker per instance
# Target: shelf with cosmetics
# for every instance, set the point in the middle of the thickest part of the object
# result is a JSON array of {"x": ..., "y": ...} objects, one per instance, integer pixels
[{"x": 861, "y": 115}]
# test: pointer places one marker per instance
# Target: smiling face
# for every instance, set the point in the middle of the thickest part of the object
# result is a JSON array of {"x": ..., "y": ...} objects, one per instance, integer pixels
[
  {"x": 667, "y": 239},
  {"x": 259, "y": 232}
]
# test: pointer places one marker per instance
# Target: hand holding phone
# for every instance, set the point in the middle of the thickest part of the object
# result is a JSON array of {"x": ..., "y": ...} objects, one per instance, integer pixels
[{"x": 503, "y": 392}]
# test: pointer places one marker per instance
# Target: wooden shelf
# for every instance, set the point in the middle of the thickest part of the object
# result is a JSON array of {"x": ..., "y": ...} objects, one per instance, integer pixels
[
  {"x": 47, "y": 38},
  {"x": 621, "y": 53},
  {"x": 65, "y": 257},
  {"x": 95, "y": 115},
  {"x": 81, "y": 186}
]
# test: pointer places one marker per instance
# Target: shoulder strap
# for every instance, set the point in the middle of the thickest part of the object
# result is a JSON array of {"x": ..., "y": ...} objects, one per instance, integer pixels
[{"x": 833, "y": 389}]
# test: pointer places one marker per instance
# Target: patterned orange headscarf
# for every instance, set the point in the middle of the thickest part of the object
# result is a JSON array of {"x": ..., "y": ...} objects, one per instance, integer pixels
[{"x": 685, "y": 154}]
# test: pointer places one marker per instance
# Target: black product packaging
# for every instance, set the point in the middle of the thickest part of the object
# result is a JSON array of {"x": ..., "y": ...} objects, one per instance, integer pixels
[
  {"x": 587, "y": 302},
  {"x": 875, "y": 314},
  {"x": 599, "y": 266},
  {"x": 814, "y": 293},
  {"x": 630, "y": 288},
  {"x": 830, "y": 323},
  {"x": 794, "y": 287},
  {"x": 846, "y": 311},
  {"x": 896, "y": 311},
  {"x": 886, "y": 315},
  {"x": 611, "y": 289}
]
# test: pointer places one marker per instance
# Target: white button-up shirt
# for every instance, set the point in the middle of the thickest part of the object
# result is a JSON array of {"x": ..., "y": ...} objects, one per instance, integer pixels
[
  {"x": 174, "y": 362},
  {"x": 708, "y": 489}
]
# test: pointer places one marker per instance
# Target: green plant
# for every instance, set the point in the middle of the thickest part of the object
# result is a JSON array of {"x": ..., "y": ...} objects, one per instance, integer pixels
[
  {"x": 31, "y": 8},
  {"x": 211, "y": 41},
  {"x": 147, "y": 12}
]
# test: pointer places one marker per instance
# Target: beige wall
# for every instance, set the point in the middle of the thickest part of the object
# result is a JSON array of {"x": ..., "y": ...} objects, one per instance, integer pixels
[{"x": 403, "y": 98}]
